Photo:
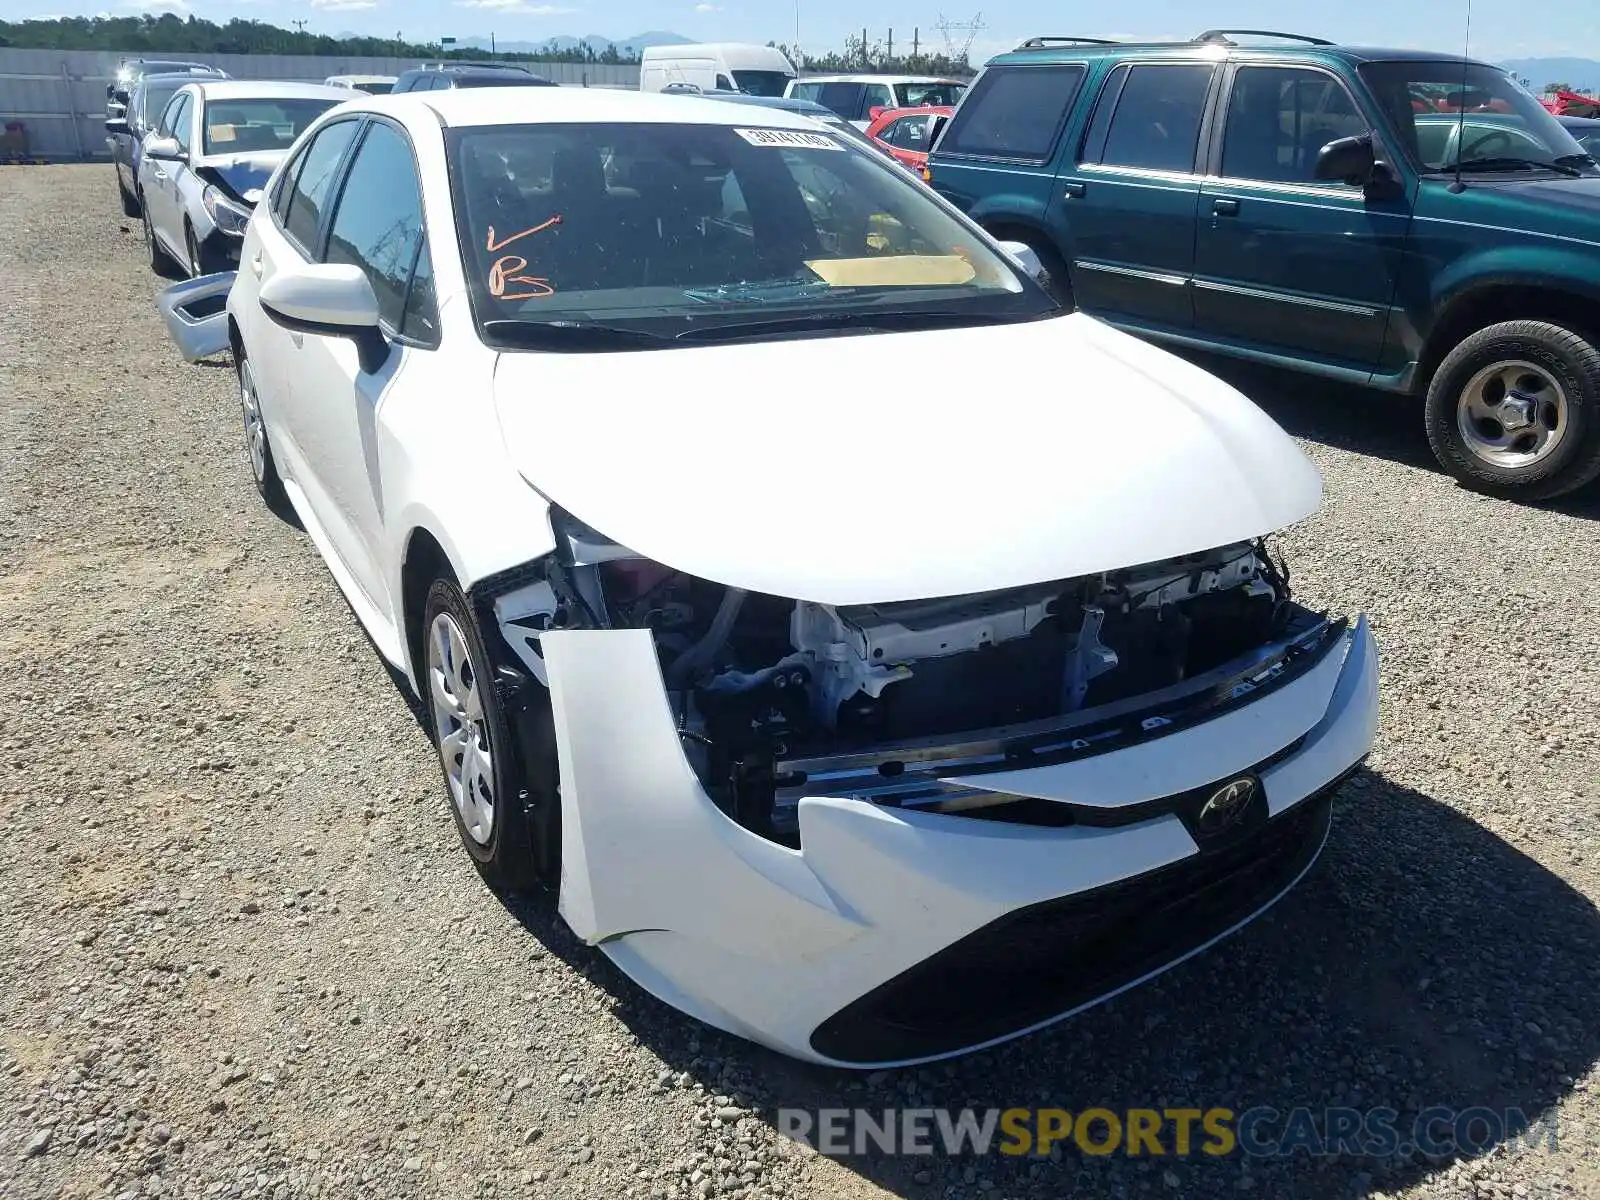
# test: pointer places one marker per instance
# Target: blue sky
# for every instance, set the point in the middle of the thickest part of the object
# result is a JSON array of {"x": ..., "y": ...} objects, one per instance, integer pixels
[{"x": 1501, "y": 28}]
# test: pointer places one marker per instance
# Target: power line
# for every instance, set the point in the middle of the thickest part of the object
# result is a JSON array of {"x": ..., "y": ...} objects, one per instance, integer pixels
[{"x": 964, "y": 31}]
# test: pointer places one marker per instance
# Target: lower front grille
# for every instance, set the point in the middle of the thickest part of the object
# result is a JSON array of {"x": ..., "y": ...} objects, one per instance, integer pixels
[{"x": 1050, "y": 958}]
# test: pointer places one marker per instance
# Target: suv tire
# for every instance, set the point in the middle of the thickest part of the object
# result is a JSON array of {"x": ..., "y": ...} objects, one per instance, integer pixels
[{"x": 1514, "y": 411}]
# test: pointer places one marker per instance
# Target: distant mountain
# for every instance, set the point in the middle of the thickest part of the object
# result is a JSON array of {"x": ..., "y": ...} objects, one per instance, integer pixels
[
  {"x": 596, "y": 42},
  {"x": 1582, "y": 74}
]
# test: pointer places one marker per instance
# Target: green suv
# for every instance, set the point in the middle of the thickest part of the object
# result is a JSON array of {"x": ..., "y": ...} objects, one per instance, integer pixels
[{"x": 1401, "y": 220}]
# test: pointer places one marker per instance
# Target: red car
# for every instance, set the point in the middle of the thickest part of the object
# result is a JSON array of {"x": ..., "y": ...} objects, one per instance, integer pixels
[{"x": 909, "y": 133}]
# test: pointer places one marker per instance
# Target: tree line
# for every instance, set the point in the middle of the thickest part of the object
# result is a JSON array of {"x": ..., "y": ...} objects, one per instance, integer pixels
[{"x": 171, "y": 34}]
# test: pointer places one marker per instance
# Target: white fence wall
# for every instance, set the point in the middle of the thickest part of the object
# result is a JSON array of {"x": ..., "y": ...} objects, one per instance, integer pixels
[{"x": 60, "y": 95}]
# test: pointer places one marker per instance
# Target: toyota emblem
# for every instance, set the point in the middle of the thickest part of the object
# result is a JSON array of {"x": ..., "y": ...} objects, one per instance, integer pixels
[{"x": 1226, "y": 805}]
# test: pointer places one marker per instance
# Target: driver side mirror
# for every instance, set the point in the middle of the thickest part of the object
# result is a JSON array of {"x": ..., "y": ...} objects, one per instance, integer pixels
[
  {"x": 330, "y": 300},
  {"x": 156, "y": 146},
  {"x": 1349, "y": 159},
  {"x": 117, "y": 125}
]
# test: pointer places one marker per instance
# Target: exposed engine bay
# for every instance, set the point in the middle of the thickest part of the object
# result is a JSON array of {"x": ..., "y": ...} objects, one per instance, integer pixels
[{"x": 774, "y": 695}]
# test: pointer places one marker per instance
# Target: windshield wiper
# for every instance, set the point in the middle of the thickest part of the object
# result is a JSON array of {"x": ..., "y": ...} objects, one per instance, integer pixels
[
  {"x": 775, "y": 289},
  {"x": 893, "y": 319},
  {"x": 1511, "y": 164},
  {"x": 570, "y": 336},
  {"x": 1577, "y": 160}
]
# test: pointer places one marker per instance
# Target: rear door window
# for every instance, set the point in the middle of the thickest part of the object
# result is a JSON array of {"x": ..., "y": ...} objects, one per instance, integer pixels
[
  {"x": 1015, "y": 112},
  {"x": 1149, "y": 117}
]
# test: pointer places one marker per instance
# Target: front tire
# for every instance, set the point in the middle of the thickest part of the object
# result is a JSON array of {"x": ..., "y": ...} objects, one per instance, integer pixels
[
  {"x": 1514, "y": 411},
  {"x": 477, "y": 750}
]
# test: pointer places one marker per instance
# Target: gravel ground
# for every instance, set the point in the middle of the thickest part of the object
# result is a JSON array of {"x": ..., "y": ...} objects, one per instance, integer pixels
[{"x": 245, "y": 956}]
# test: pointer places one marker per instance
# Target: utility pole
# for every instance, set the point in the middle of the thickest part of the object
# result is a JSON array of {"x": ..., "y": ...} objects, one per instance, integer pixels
[
  {"x": 866, "y": 61},
  {"x": 299, "y": 26},
  {"x": 889, "y": 54},
  {"x": 916, "y": 40},
  {"x": 491, "y": 45}
]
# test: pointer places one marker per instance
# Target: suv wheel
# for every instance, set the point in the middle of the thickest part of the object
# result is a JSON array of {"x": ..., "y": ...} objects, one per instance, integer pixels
[{"x": 1514, "y": 411}]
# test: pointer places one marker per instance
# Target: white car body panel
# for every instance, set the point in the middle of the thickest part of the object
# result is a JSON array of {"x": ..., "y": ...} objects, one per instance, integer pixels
[
  {"x": 1012, "y": 492},
  {"x": 767, "y": 942},
  {"x": 862, "y": 493}
]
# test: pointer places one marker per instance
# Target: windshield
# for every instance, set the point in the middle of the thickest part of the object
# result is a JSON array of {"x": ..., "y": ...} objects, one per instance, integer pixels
[
  {"x": 671, "y": 229},
  {"x": 761, "y": 83},
  {"x": 928, "y": 95},
  {"x": 249, "y": 126},
  {"x": 375, "y": 89},
  {"x": 1428, "y": 104}
]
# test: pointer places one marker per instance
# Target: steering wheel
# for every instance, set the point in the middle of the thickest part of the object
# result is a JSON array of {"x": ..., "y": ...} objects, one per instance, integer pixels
[{"x": 1475, "y": 148}]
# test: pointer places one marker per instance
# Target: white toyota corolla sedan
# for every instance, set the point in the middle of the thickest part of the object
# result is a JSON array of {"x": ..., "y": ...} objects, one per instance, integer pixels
[{"x": 871, "y": 721}]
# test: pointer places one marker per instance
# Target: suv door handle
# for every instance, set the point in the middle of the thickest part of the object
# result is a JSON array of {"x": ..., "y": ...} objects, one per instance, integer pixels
[
  {"x": 255, "y": 265},
  {"x": 1073, "y": 189},
  {"x": 1225, "y": 208}
]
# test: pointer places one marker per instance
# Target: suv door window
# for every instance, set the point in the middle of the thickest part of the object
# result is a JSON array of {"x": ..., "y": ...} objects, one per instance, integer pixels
[
  {"x": 1014, "y": 112},
  {"x": 1280, "y": 118},
  {"x": 1151, "y": 116},
  {"x": 319, "y": 164},
  {"x": 377, "y": 225}
]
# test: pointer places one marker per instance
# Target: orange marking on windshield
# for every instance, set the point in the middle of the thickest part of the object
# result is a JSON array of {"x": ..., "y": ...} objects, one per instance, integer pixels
[
  {"x": 505, "y": 271},
  {"x": 491, "y": 245}
]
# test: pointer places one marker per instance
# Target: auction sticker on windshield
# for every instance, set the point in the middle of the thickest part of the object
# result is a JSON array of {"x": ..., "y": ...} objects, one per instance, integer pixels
[{"x": 788, "y": 139}]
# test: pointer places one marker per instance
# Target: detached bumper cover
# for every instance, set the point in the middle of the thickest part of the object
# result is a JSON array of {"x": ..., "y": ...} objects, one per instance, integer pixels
[
  {"x": 196, "y": 316},
  {"x": 895, "y": 936}
]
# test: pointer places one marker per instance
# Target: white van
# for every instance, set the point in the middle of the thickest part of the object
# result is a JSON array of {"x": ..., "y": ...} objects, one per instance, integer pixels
[{"x": 717, "y": 67}]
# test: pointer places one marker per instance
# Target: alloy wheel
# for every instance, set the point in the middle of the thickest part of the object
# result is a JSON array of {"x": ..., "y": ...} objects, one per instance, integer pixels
[
  {"x": 255, "y": 431},
  {"x": 460, "y": 726},
  {"x": 1511, "y": 414}
]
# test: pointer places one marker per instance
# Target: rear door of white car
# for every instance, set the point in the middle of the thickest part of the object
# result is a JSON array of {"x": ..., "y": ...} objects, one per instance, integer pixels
[{"x": 328, "y": 402}]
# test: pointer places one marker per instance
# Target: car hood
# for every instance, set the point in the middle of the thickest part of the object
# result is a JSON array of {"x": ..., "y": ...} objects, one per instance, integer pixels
[
  {"x": 240, "y": 174},
  {"x": 875, "y": 468}
]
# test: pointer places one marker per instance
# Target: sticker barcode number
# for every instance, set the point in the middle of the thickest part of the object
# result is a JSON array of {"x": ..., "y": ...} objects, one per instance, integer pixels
[{"x": 789, "y": 139}]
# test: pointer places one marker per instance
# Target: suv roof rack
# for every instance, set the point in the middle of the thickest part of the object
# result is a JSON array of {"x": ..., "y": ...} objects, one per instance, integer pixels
[
  {"x": 1039, "y": 43},
  {"x": 1224, "y": 37}
]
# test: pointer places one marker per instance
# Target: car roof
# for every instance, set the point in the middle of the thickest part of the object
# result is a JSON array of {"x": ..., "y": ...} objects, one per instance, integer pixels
[
  {"x": 472, "y": 107},
  {"x": 183, "y": 77},
  {"x": 786, "y": 103},
  {"x": 467, "y": 68},
  {"x": 267, "y": 89},
  {"x": 1067, "y": 49},
  {"x": 868, "y": 78}
]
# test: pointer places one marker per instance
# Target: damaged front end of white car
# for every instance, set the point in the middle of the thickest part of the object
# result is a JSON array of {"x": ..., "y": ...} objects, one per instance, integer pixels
[{"x": 871, "y": 834}]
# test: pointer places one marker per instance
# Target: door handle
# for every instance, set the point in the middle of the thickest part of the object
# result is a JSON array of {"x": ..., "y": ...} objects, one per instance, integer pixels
[
  {"x": 1225, "y": 208},
  {"x": 1073, "y": 189},
  {"x": 255, "y": 265}
]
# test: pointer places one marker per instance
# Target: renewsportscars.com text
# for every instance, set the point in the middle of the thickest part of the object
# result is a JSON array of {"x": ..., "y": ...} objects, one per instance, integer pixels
[{"x": 1260, "y": 1132}]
